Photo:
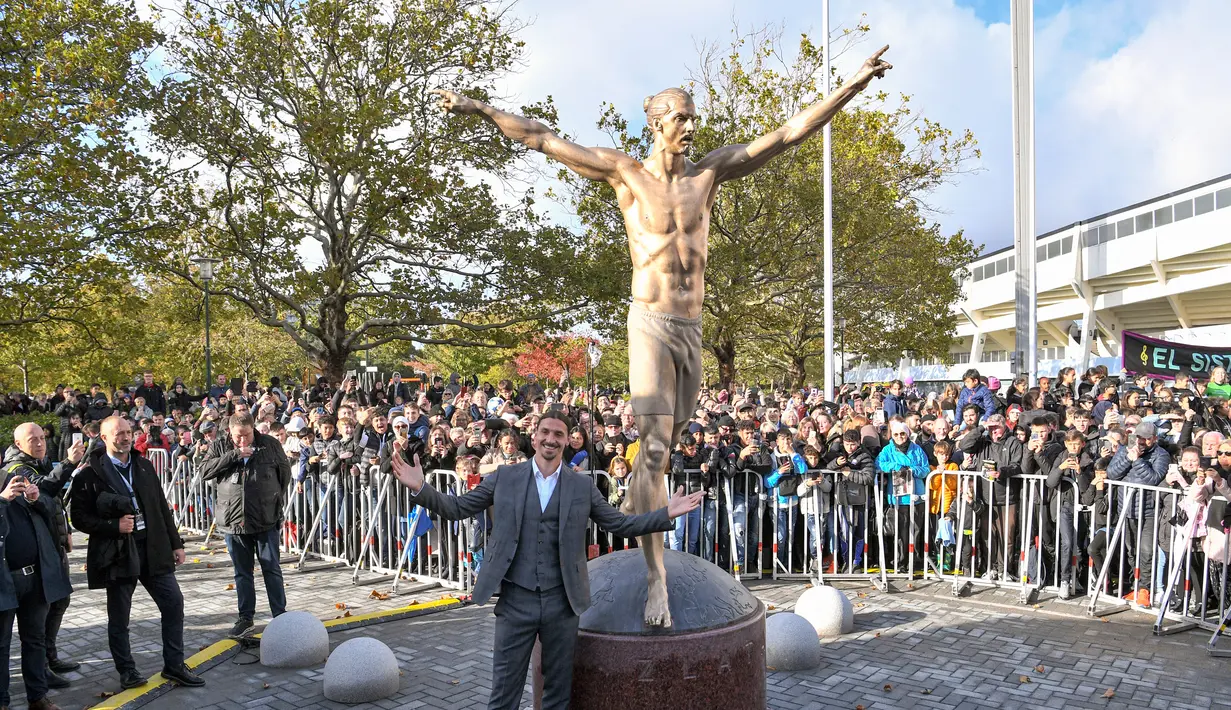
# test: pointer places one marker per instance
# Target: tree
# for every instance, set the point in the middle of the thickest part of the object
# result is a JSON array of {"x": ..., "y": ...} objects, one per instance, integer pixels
[
  {"x": 554, "y": 359},
  {"x": 341, "y": 203},
  {"x": 763, "y": 277},
  {"x": 72, "y": 84}
]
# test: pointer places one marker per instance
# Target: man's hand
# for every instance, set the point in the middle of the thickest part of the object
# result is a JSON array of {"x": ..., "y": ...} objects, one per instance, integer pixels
[
  {"x": 411, "y": 475},
  {"x": 1132, "y": 454},
  {"x": 76, "y": 452},
  {"x": 1035, "y": 445},
  {"x": 127, "y": 523},
  {"x": 453, "y": 102},
  {"x": 180, "y": 556},
  {"x": 16, "y": 487},
  {"x": 681, "y": 504},
  {"x": 874, "y": 67},
  {"x": 31, "y": 492}
]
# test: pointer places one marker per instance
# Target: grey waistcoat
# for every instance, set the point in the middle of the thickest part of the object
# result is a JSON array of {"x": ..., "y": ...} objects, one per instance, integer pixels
[{"x": 536, "y": 564}]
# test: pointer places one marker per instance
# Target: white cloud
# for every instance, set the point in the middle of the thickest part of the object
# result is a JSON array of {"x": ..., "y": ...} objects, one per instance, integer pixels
[{"x": 1130, "y": 99}]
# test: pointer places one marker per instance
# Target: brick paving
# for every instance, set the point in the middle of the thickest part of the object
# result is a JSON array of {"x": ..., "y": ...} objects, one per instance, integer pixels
[{"x": 917, "y": 647}]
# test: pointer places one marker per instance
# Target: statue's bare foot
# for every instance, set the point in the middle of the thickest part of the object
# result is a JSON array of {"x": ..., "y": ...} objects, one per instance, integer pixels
[{"x": 657, "y": 612}]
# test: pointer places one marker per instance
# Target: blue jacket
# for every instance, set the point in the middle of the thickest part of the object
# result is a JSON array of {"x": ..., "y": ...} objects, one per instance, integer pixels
[
  {"x": 894, "y": 404},
  {"x": 798, "y": 466},
  {"x": 1149, "y": 469},
  {"x": 981, "y": 396},
  {"x": 891, "y": 459}
]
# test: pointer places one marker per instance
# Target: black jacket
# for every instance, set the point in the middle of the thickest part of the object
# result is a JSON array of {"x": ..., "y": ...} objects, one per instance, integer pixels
[
  {"x": 154, "y": 398},
  {"x": 250, "y": 495},
  {"x": 161, "y": 536},
  {"x": 50, "y": 481},
  {"x": 978, "y": 446},
  {"x": 54, "y": 573}
]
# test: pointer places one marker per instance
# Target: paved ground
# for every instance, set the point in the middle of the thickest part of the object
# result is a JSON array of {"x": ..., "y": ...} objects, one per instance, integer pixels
[{"x": 915, "y": 648}]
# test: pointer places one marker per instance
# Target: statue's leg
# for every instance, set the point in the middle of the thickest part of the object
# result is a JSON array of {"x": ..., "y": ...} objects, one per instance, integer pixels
[{"x": 647, "y": 492}]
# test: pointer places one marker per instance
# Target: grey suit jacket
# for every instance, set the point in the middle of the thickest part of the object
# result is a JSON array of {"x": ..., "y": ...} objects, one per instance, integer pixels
[{"x": 580, "y": 501}]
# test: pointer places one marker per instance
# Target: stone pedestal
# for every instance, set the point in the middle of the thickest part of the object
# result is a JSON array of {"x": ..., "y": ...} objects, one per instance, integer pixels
[{"x": 712, "y": 656}]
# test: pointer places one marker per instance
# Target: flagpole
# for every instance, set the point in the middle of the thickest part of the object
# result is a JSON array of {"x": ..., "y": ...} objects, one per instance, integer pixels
[{"x": 827, "y": 178}]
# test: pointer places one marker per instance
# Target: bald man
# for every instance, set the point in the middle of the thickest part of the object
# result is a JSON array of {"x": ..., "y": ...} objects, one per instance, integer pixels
[
  {"x": 117, "y": 496},
  {"x": 33, "y": 575},
  {"x": 29, "y": 454}
]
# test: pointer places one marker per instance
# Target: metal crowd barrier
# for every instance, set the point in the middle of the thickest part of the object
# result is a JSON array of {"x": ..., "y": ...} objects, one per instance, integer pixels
[{"x": 1057, "y": 533}]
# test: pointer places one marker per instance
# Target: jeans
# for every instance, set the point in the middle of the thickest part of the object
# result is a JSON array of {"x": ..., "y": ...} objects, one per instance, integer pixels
[
  {"x": 1139, "y": 541},
  {"x": 850, "y": 533},
  {"x": 264, "y": 546},
  {"x": 784, "y": 535},
  {"x": 747, "y": 524},
  {"x": 165, "y": 591},
  {"x": 687, "y": 528},
  {"x": 709, "y": 527},
  {"x": 31, "y": 616}
]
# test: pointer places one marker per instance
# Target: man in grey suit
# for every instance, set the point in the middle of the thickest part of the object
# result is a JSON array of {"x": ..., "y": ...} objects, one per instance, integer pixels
[{"x": 536, "y": 555}]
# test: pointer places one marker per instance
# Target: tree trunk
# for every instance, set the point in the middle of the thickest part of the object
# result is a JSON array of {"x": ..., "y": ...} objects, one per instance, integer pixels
[
  {"x": 797, "y": 372},
  {"x": 724, "y": 352}
]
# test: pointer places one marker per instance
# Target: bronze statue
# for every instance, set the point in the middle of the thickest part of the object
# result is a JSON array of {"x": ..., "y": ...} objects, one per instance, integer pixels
[{"x": 666, "y": 201}]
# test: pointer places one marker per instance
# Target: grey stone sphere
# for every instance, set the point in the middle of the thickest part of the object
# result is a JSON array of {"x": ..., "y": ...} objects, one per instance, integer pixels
[
  {"x": 361, "y": 670},
  {"x": 828, "y": 610},
  {"x": 791, "y": 643},
  {"x": 295, "y": 639}
]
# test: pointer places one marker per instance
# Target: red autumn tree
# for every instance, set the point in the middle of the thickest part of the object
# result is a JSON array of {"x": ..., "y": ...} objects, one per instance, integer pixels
[{"x": 552, "y": 358}]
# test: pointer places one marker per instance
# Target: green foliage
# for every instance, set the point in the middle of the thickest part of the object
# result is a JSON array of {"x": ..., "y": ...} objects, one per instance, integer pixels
[
  {"x": 893, "y": 267},
  {"x": 337, "y": 196},
  {"x": 71, "y": 85},
  {"x": 49, "y": 422}
]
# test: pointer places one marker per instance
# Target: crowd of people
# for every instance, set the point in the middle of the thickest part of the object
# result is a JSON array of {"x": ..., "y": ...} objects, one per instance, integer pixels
[{"x": 775, "y": 464}]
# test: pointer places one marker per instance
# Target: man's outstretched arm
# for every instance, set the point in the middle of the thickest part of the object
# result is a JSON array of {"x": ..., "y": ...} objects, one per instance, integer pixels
[
  {"x": 736, "y": 161},
  {"x": 591, "y": 163}
]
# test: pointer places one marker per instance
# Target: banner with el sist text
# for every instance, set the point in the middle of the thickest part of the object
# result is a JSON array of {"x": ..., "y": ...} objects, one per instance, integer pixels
[{"x": 1139, "y": 353}]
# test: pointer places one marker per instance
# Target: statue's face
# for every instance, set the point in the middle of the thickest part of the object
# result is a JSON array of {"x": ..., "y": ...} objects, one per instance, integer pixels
[{"x": 677, "y": 127}]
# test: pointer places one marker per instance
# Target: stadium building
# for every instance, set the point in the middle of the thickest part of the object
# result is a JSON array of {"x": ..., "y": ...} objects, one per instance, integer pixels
[{"x": 1160, "y": 268}]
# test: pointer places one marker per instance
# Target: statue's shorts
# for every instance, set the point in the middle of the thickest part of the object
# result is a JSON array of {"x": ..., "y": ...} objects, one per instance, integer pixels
[{"x": 664, "y": 363}]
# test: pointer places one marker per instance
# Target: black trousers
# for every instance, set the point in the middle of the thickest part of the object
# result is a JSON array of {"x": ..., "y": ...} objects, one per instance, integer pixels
[
  {"x": 165, "y": 591},
  {"x": 31, "y": 616},
  {"x": 523, "y": 615},
  {"x": 55, "y": 617}
]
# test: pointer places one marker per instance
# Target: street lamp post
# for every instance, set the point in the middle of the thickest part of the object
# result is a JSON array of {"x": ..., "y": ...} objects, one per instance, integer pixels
[
  {"x": 205, "y": 268},
  {"x": 842, "y": 347}
]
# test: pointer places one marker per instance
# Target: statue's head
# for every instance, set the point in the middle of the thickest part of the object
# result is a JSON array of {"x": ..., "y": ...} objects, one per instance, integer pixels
[{"x": 672, "y": 116}]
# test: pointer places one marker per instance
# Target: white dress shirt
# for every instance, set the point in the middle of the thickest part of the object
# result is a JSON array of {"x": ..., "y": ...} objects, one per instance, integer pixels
[{"x": 545, "y": 484}]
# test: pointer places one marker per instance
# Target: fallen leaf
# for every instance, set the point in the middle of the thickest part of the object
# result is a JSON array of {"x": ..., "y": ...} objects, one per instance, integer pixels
[
  {"x": 859, "y": 707},
  {"x": 82, "y": 568},
  {"x": 196, "y": 560},
  {"x": 1039, "y": 669},
  {"x": 209, "y": 565},
  {"x": 770, "y": 607},
  {"x": 878, "y": 634},
  {"x": 860, "y": 605},
  {"x": 1023, "y": 679},
  {"x": 454, "y": 682},
  {"x": 204, "y": 548},
  {"x": 346, "y": 614},
  {"x": 106, "y": 694},
  {"x": 927, "y": 691},
  {"x": 1105, "y": 620},
  {"x": 888, "y": 687},
  {"x": 1111, "y": 693},
  {"x": 265, "y": 686},
  {"x": 862, "y": 595},
  {"x": 910, "y": 586},
  {"x": 1038, "y": 606},
  {"x": 382, "y": 596},
  {"x": 339, "y": 605},
  {"x": 230, "y": 587}
]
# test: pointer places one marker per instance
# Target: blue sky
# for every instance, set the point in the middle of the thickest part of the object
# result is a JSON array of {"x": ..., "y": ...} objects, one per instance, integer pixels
[{"x": 1131, "y": 102}]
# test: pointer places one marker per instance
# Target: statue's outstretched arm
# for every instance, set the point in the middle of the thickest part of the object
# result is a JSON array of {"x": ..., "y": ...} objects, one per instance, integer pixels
[
  {"x": 736, "y": 161},
  {"x": 591, "y": 163}
]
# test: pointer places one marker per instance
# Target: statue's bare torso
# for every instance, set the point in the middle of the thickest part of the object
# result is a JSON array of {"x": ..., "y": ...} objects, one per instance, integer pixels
[{"x": 668, "y": 235}]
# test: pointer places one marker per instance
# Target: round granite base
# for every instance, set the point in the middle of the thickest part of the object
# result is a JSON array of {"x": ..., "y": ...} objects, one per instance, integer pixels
[{"x": 712, "y": 656}]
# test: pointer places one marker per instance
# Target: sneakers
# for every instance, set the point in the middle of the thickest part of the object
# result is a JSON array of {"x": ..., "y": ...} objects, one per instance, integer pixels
[
  {"x": 240, "y": 627},
  {"x": 43, "y": 704},
  {"x": 1141, "y": 598},
  {"x": 183, "y": 676}
]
